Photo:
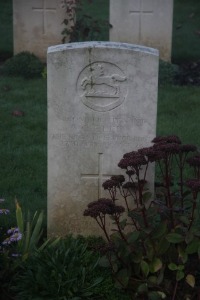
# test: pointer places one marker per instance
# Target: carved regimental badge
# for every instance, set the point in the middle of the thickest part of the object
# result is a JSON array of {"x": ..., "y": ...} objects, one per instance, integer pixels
[{"x": 102, "y": 86}]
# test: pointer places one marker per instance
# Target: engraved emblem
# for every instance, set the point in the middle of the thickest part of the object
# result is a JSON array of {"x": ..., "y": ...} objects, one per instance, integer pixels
[{"x": 102, "y": 86}]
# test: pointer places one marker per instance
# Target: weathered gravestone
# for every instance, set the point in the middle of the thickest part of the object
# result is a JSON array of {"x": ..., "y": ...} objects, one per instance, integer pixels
[
  {"x": 143, "y": 22},
  {"x": 37, "y": 24},
  {"x": 102, "y": 103}
]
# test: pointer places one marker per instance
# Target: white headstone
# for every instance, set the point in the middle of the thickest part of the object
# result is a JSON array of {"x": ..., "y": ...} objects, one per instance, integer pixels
[
  {"x": 102, "y": 103},
  {"x": 37, "y": 24},
  {"x": 143, "y": 22}
]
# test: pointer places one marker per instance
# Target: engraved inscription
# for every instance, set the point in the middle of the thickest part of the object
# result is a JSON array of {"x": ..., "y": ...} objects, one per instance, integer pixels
[
  {"x": 44, "y": 9},
  {"x": 102, "y": 86},
  {"x": 140, "y": 13},
  {"x": 93, "y": 140}
]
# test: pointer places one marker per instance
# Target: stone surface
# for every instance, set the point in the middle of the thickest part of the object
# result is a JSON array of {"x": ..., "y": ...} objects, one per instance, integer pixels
[
  {"x": 143, "y": 22},
  {"x": 37, "y": 24},
  {"x": 102, "y": 103}
]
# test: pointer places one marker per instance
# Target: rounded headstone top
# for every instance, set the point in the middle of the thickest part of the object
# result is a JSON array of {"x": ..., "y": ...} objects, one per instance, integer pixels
[{"x": 110, "y": 45}]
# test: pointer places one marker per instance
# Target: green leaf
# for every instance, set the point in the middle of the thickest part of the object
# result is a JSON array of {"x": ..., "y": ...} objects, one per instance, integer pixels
[
  {"x": 163, "y": 246},
  {"x": 136, "y": 257},
  {"x": 182, "y": 255},
  {"x": 190, "y": 279},
  {"x": 146, "y": 196},
  {"x": 133, "y": 236},
  {"x": 189, "y": 237},
  {"x": 155, "y": 265},
  {"x": 122, "y": 277},
  {"x": 37, "y": 231},
  {"x": 172, "y": 267},
  {"x": 180, "y": 275},
  {"x": 145, "y": 268},
  {"x": 184, "y": 220},
  {"x": 143, "y": 288},
  {"x": 19, "y": 217},
  {"x": 162, "y": 295},
  {"x": 161, "y": 275},
  {"x": 192, "y": 247},
  {"x": 103, "y": 262},
  {"x": 174, "y": 238},
  {"x": 156, "y": 295},
  {"x": 181, "y": 267},
  {"x": 159, "y": 231},
  {"x": 123, "y": 224},
  {"x": 152, "y": 279},
  {"x": 149, "y": 249}
]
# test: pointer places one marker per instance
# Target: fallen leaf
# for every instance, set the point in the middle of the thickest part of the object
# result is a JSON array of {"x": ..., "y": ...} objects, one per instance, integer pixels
[{"x": 18, "y": 113}]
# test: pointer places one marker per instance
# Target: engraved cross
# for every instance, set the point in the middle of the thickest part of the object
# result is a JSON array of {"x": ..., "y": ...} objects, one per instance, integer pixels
[
  {"x": 99, "y": 175},
  {"x": 44, "y": 9},
  {"x": 140, "y": 13}
]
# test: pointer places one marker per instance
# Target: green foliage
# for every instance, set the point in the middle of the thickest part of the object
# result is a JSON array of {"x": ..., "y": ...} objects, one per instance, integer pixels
[
  {"x": 81, "y": 26},
  {"x": 23, "y": 145},
  {"x": 18, "y": 244},
  {"x": 153, "y": 240},
  {"x": 31, "y": 232},
  {"x": 65, "y": 270},
  {"x": 168, "y": 73},
  {"x": 23, "y": 64}
]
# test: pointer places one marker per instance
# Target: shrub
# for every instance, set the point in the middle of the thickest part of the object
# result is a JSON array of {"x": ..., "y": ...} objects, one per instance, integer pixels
[
  {"x": 168, "y": 73},
  {"x": 23, "y": 64},
  {"x": 154, "y": 249},
  {"x": 84, "y": 27}
]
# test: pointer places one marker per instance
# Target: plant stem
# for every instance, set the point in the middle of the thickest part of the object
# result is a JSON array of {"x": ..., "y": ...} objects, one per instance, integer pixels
[{"x": 175, "y": 289}]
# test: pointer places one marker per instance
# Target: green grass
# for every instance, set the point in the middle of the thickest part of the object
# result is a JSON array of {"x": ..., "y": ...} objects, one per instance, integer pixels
[
  {"x": 186, "y": 31},
  {"x": 178, "y": 113},
  {"x": 23, "y": 143}
]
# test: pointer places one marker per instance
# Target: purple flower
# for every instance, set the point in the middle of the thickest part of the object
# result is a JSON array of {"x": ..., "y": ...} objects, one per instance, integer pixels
[
  {"x": 15, "y": 236},
  {"x": 13, "y": 230},
  {"x": 102, "y": 207},
  {"x": 132, "y": 159},
  {"x": 4, "y": 211},
  {"x": 172, "y": 148},
  {"x": 153, "y": 153},
  {"x": 118, "y": 178},
  {"x": 194, "y": 161},
  {"x": 167, "y": 139},
  {"x": 188, "y": 148},
  {"x": 109, "y": 184}
]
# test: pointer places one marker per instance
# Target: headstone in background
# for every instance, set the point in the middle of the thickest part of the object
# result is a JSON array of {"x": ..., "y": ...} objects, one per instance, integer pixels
[
  {"x": 143, "y": 22},
  {"x": 37, "y": 24},
  {"x": 102, "y": 103}
]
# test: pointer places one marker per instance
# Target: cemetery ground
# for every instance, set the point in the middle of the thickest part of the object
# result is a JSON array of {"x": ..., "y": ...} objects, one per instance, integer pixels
[{"x": 23, "y": 133}]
